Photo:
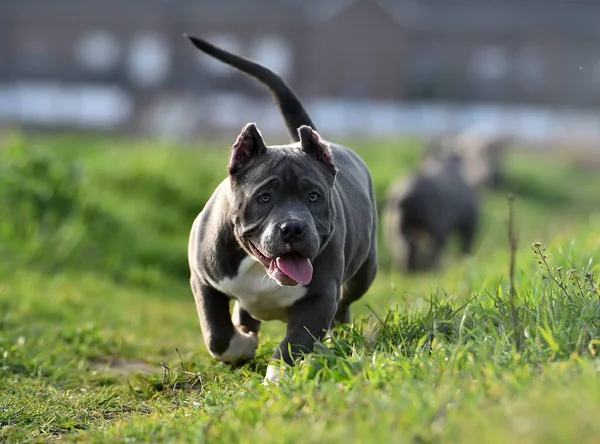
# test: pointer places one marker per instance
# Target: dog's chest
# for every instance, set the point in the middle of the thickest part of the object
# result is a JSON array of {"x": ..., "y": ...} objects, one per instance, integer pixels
[{"x": 258, "y": 294}]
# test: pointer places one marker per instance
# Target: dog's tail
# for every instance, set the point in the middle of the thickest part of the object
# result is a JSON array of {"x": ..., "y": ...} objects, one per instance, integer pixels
[{"x": 292, "y": 110}]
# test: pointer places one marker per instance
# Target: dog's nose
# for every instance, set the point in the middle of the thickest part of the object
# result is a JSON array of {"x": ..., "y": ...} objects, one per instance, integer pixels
[{"x": 291, "y": 231}]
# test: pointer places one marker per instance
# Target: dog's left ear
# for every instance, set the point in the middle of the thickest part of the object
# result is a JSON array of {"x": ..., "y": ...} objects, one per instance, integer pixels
[
  {"x": 248, "y": 146},
  {"x": 313, "y": 145}
]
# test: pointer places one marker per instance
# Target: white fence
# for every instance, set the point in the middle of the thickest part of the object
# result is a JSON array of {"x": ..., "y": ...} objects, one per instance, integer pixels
[{"x": 180, "y": 115}]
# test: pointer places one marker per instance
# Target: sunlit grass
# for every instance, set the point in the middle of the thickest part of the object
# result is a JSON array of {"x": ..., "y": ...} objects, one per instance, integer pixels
[{"x": 99, "y": 339}]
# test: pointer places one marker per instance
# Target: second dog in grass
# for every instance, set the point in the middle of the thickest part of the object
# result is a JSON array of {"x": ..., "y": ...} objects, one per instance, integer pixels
[
  {"x": 482, "y": 157},
  {"x": 422, "y": 212}
]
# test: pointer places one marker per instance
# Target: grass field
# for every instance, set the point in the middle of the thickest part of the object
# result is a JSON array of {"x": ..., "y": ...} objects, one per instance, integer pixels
[{"x": 99, "y": 339}]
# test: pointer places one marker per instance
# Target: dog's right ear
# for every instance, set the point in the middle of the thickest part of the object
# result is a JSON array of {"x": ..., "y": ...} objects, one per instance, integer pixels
[{"x": 248, "y": 146}]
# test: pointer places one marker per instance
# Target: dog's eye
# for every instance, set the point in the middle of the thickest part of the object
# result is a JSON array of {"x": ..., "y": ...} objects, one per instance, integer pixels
[
  {"x": 264, "y": 198},
  {"x": 313, "y": 197}
]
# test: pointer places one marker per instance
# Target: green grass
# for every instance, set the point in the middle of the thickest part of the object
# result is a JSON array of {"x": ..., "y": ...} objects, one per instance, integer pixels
[{"x": 94, "y": 297}]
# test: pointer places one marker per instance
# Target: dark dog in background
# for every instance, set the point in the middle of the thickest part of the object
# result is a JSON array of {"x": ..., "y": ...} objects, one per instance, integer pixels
[
  {"x": 422, "y": 212},
  {"x": 482, "y": 157}
]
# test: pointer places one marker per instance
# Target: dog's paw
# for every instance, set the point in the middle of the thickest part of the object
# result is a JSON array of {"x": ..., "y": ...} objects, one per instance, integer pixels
[
  {"x": 242, "y": 347},
  {"x": 274, "y": 374}
]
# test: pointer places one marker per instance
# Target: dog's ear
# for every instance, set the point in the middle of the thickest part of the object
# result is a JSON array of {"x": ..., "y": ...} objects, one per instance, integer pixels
[
  {"x": 248, "y": 146},
  {"x": 313, "y": 145},
  {"x": 500, "y": 143}
]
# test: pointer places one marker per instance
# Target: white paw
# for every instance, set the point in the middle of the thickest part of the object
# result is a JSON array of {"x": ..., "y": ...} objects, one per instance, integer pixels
[
  {"x": 242, "y": 347},
  {"x": 274, "y": 374}
]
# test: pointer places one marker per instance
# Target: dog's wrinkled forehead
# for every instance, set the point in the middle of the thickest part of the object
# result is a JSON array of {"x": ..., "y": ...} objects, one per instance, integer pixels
[
  {"x": 251, "y": 161},
  {"x": 289, "y": 164}
]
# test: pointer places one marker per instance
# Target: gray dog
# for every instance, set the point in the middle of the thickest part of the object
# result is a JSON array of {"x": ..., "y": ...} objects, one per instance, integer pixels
[
  {"x": 290, "y": 235},
  {"x": 423, "y": 211},
  {"x": 482, "y": 157}
]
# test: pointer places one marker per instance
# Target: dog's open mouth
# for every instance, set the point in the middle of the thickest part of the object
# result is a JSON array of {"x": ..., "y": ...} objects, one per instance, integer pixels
[{"x": 288, "y": 269}]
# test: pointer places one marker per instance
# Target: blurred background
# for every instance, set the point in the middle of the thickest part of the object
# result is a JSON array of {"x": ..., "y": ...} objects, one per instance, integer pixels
[
  {"x": 362, "y": 67},
  {"x": 115, "y": 130}
]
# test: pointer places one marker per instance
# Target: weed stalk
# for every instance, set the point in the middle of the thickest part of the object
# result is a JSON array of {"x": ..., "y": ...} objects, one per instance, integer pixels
[
  {"x": 540, "y": 251},
  {"x": 512, "y": 241}
]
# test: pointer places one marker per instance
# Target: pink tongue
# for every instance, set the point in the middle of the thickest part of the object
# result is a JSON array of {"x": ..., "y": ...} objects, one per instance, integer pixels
[{"x": 296, "y": 267}]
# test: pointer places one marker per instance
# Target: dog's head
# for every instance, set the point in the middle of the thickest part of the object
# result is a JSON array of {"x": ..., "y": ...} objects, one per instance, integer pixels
[{"x": 281, "y": 201}]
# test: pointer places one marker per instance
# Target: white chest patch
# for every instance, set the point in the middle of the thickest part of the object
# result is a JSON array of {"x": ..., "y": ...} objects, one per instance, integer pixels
[{"x": 257, "y": 293}]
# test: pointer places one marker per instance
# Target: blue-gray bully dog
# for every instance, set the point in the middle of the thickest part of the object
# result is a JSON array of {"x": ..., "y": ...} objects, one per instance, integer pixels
[
  {"x": 423, "y": 211},
  {"x": 290, "y": 235}
]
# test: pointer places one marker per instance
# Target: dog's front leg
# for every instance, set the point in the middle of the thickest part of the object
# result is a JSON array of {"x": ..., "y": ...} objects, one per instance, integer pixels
[
  {"x": 309, "y": 321},
  {"x": 224, "y": 341}
]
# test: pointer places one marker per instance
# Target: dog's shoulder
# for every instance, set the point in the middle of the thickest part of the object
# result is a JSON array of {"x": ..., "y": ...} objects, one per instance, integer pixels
[
  {"x": 354, "y": 177},
  {"x": 211, "y": 237},
  {"x": 345, "y": 157}
]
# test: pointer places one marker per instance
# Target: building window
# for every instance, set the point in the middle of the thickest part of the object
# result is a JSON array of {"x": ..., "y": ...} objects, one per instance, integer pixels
[
  {"x": 273, "y": 52},
  {"x": 530, "y": 68},
  {"x": 596, "y": 72},
  {"x": 149, "y": 60},
  {"x": 489, "y": 64},
  {"x": 97, "y": 51},
  {"x": 426, "y": 73}
]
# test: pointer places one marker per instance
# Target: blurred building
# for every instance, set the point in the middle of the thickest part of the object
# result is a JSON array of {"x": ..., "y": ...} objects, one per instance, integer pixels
[{"x": 124, "y": 65}]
